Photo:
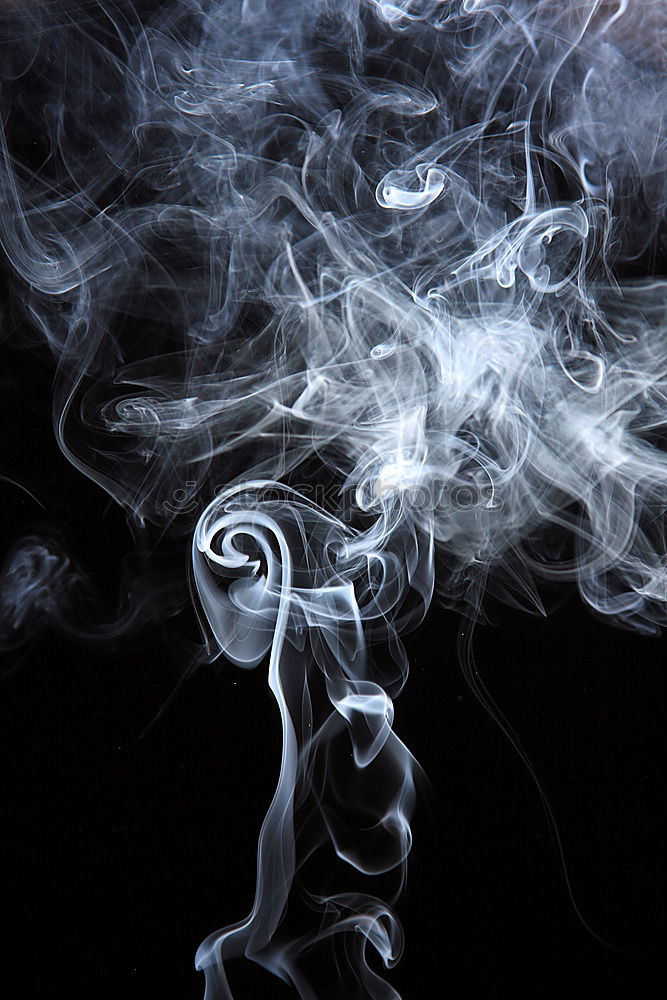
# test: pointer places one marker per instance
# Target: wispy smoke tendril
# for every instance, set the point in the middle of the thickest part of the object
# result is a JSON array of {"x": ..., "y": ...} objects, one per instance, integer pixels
[{"x": 384, "y": 244}]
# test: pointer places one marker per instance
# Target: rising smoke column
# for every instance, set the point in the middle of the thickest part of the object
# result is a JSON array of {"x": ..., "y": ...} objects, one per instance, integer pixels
[{"x": 275, "y": 245}]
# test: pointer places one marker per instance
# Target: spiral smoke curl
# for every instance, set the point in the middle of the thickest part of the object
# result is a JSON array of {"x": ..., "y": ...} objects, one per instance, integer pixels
[{"x": 383, "y": 244}]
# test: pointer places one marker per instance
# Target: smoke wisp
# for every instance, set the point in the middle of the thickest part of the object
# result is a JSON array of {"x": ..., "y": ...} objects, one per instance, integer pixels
[{"x": 275, "y": 245}]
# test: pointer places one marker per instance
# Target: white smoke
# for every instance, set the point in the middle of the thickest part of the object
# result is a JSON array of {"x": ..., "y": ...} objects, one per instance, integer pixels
[{"x": 383, "y": 245}]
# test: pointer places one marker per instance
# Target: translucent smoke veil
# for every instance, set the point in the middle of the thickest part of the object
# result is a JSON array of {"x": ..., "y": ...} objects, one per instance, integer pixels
[{"x": 343, "y": 293}]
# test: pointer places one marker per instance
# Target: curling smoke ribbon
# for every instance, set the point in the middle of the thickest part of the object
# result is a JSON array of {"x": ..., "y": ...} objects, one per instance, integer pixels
[{"x": 284, "y": 578}]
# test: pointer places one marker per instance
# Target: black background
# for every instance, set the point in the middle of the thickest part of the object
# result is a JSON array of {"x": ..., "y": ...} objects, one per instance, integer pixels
[{"x": 120, "y": 851}]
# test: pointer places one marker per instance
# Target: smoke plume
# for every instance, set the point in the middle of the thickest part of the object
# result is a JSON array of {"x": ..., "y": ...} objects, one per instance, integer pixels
[{"x": 348, "y": 296}]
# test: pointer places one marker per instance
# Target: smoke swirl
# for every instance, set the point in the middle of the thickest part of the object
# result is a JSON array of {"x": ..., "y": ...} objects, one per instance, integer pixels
[{"x": 386, "y": 245}]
